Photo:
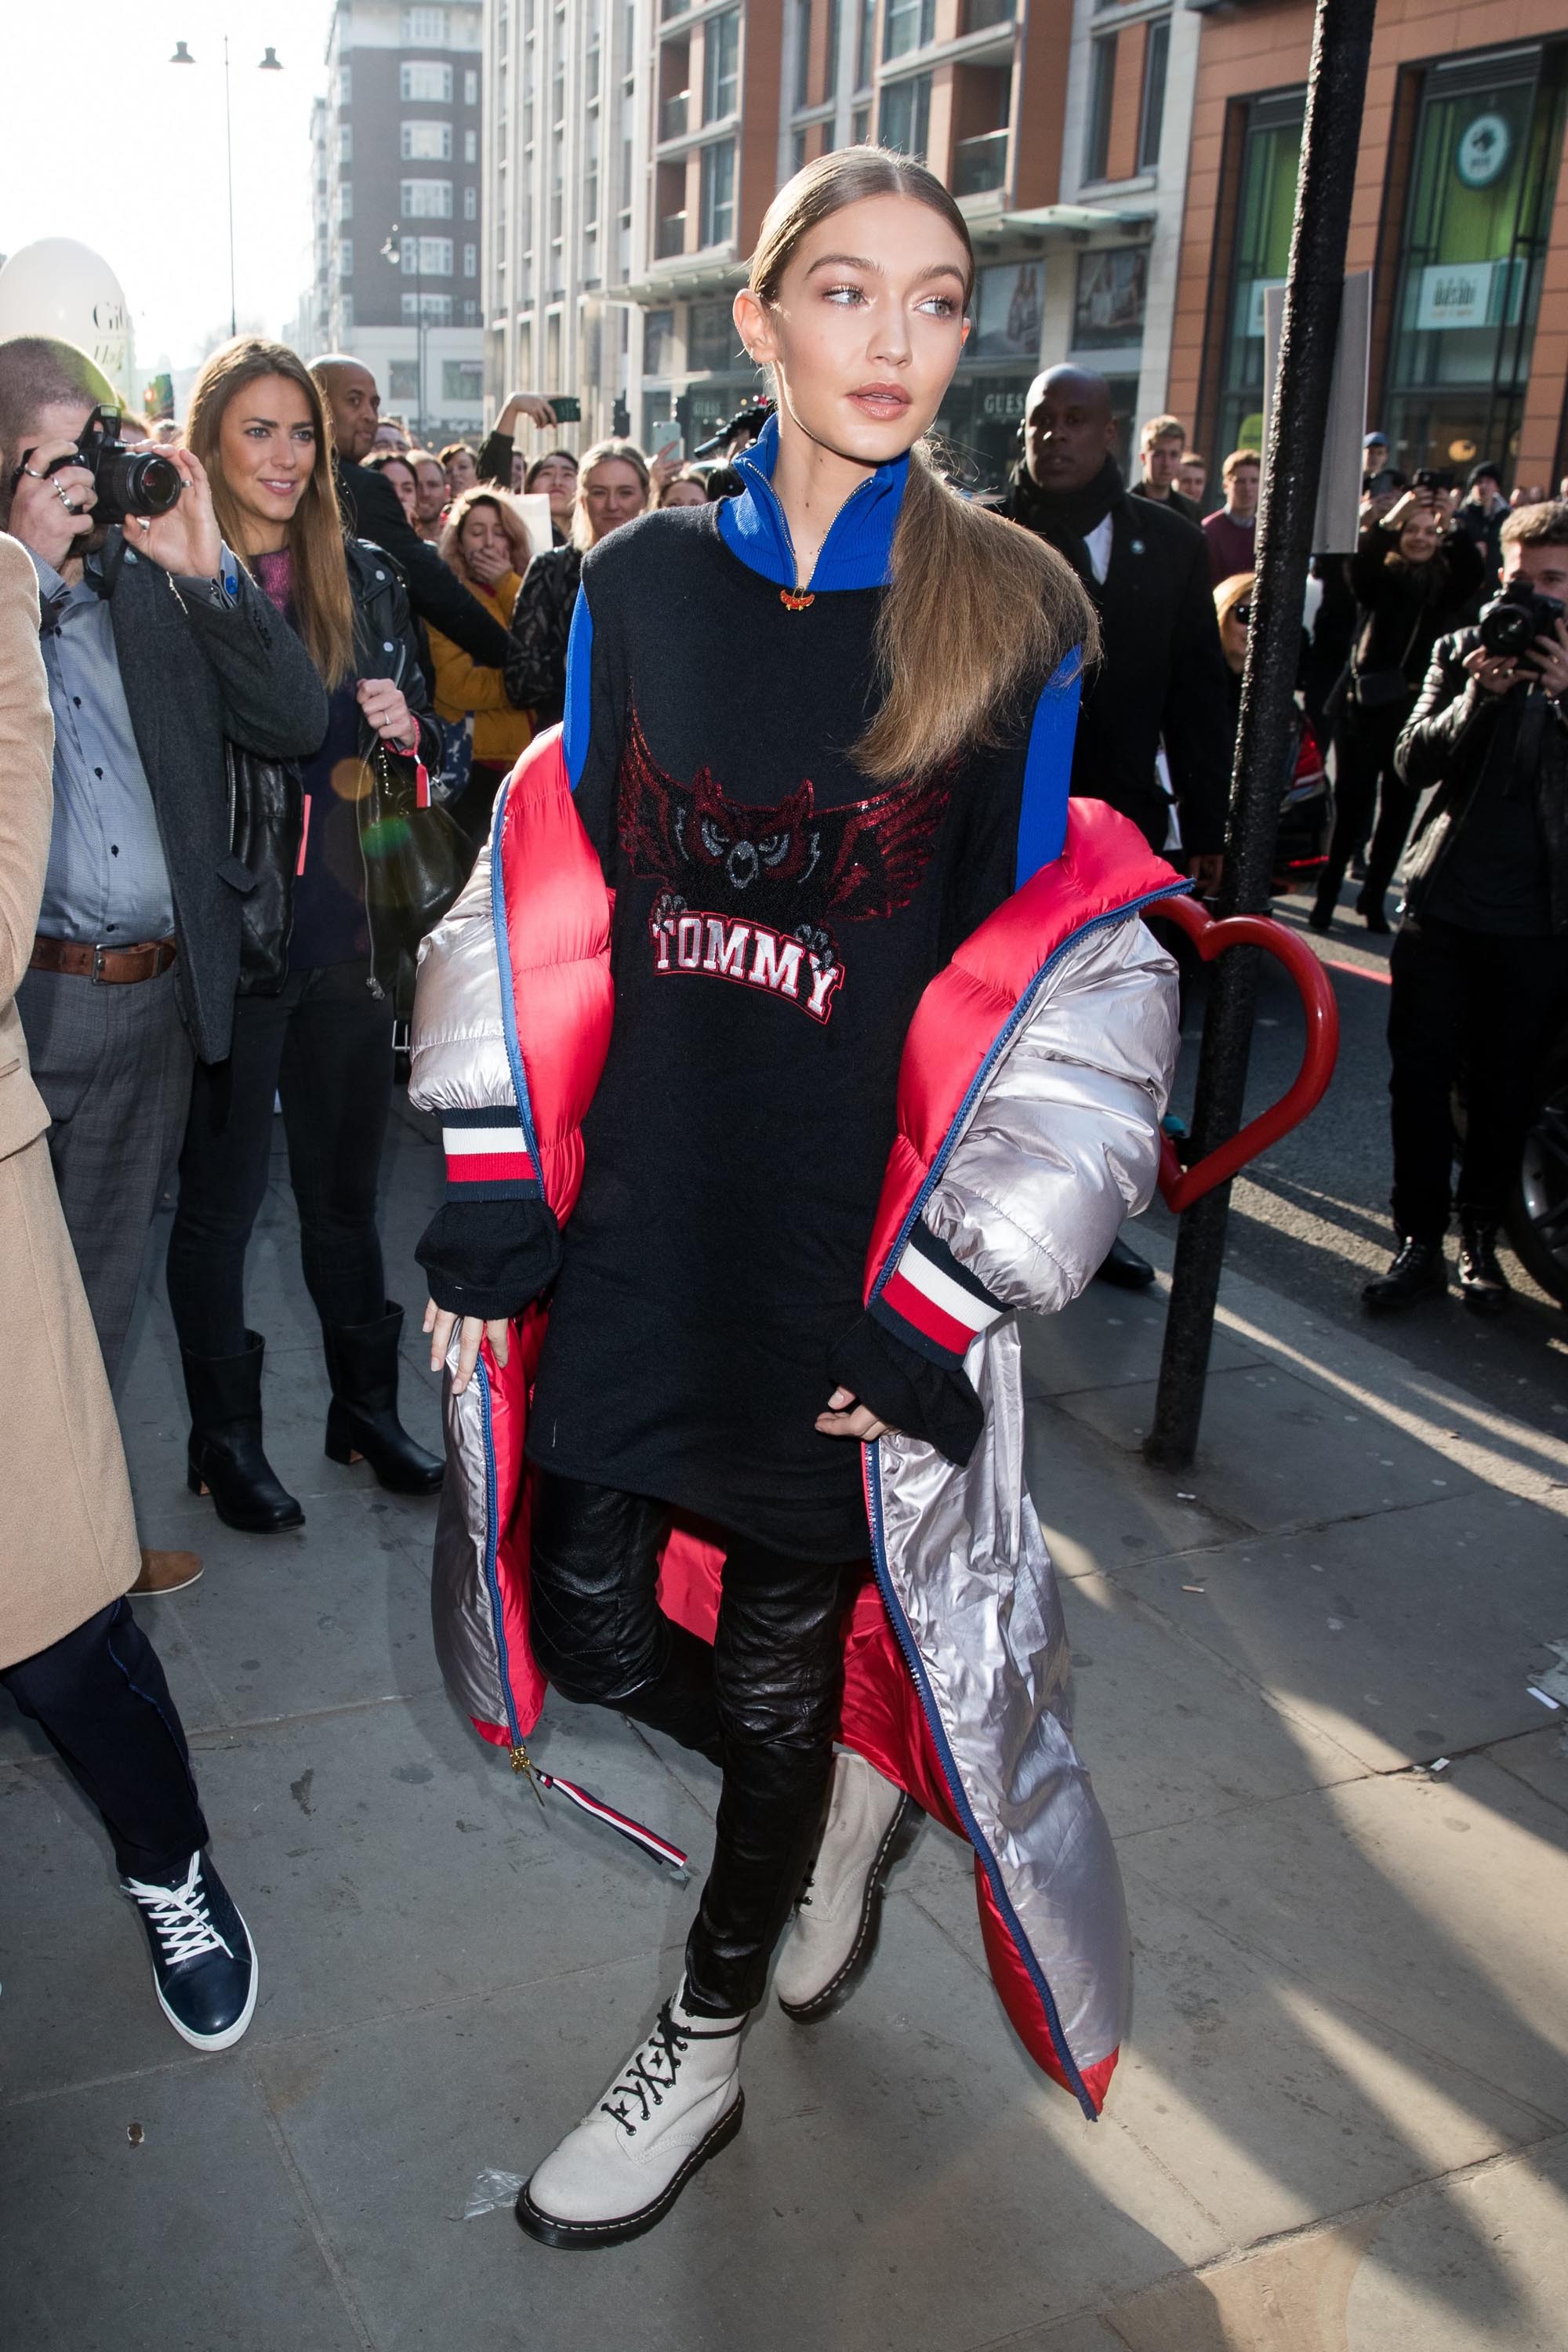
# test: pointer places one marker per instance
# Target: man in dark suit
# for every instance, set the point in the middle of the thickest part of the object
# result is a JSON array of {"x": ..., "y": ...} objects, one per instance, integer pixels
[
  {"x": 371, "y": 510},
  {"x": 158, "y": 645},
  {"x": 1154, "y": 733}
]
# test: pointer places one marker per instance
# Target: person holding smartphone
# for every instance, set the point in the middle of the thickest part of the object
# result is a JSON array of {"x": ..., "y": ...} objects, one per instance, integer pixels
[{"x": 614, "y": 486}]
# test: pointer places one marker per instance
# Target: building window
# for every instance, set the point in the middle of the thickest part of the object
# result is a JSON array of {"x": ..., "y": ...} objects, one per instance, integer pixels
[
  {"x": 345, "y": 199},
  {"x": 345, "y": 256},
  {"x": 422, "y": 82},
  {"x": 1488, "y": 134},
  {"x": 720, "y": 66},
  {"x": 470, "y": 204},
  {"x": 1152, "y": 111},
  {"x": 658, "y": 342},
  {"x": 471, "y": 314},
  {"x": 1101, "y": 94},
  {"x": 471, "y": 86},
  {"x": 425, "y": 27},
  {"x": 830, "y": 63},
  {"x": 866, "y": 45},
  {"x": 906, "y": 25},
  {"x": 1266, "y": 209},
  {"x": 346, "y": 143},
  {"x": 717, "y": 225},
  {"x": 427, "y": 142},
  {"x": 463, "y": 380},
  {"x": 860, "y": 126},
  {"x": 471, "y": 261},
  {"x": 802, "y": 51},
  {"x": 429, "y": 309},
  {"x": 426, "y": 256},
  {"x": 710, "y": 338},
  {"x": 403, "y": 379},
  {"x": 470, "y": 146},
  {"x": 427, "y": 199},
  {"x": 345, "y": 85},
  {"x": 1112, "y": 290},
  {"x": 346, "y": 311},
  {"x": 906, "y": 115}
]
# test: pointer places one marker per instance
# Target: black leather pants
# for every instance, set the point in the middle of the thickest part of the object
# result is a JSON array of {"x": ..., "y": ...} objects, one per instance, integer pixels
[{"x": 762, "y": 1701}]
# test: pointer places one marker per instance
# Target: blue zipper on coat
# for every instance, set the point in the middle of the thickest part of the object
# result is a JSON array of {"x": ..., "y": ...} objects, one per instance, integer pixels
[{"x": 902, "y": 1630}]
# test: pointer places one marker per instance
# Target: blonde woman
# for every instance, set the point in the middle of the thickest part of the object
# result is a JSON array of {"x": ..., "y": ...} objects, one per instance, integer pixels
[
  {"x": 614, "y": 486},
  {"x": 486, "y": 543},
  {"x": 848, "y": 1029}
]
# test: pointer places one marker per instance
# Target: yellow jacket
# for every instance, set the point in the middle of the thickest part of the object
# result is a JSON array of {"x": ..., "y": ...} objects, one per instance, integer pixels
[{"x": 501, "y": 733}]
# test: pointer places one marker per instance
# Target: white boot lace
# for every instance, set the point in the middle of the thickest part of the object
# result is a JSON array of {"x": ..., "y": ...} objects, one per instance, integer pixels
[
  {"x": 649, "y": 2075},
  {"x": 179, "y": 1917}
]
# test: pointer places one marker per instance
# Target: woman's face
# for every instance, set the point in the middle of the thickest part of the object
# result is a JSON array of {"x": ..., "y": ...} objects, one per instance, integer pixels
[
  {"x": 462, "y": 472},
  {"x": 556, "y": 479},
  {"x": 1233, "y": 636},
  {"x": 267, "y": 445},
  {"x": 612, "y": 494},
  {"x": 482, "y": 535},
  {"x": 401, "y": 477},
  {"x": 1418, "y": 538},
  {"x": 684, "y": 494},
  {"x": 867, "y": 327}
]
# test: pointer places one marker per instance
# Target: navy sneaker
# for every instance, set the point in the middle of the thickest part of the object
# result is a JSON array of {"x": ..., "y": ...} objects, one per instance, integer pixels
[{"x": 204, "y": 1964}]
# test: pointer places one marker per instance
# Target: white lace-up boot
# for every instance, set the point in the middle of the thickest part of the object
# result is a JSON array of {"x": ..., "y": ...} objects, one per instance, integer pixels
[
  {"x": 834, "y": 1931},
  {"x": 675, "y": 2103}
]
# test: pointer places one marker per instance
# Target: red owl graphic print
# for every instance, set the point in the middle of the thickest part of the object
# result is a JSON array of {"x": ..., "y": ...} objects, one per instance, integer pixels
[{"x": 753, "y": 896}]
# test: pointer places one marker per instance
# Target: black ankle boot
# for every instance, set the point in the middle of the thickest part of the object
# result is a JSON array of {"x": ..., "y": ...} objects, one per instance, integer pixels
[
  {"x": 362, "y": 1419},
  {"x": 224, "y": 1458},
  {"x": 1483, "y": 1286},
  {"x": 1417, "y": 1272}
]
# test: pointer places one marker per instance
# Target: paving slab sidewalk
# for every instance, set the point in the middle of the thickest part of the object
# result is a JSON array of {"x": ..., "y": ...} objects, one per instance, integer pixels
[{"x": 1341, "y": 2121}]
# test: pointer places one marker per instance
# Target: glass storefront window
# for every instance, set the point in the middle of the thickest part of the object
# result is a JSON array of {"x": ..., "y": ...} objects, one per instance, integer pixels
[
  {"x": 1482, "y": 183},
  {"x": 1266, "y": 208}
]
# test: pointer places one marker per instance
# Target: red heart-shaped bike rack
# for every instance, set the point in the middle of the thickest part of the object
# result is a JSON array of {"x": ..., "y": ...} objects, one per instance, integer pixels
[{"x": 1182, "y": 1186}]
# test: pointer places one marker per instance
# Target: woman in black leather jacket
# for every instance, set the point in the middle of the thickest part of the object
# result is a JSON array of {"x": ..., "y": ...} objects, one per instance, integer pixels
[
  {"x": 614, "y": 486},
  {"x": 313, "y": 1019},
  {"x": 1414, "y": 580}
]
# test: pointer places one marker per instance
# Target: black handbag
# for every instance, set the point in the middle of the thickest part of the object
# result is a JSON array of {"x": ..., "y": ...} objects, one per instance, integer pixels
[
  {"x": 1382, "y": 690},
  {"x": 416, "y": 857}
]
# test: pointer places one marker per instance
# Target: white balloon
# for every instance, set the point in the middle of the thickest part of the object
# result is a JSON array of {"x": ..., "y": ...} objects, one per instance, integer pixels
[{"x": 59, "y": 287}]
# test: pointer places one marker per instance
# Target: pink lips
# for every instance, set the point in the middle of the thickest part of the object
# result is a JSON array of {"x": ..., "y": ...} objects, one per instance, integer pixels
[{"x": 881, "y": 399}]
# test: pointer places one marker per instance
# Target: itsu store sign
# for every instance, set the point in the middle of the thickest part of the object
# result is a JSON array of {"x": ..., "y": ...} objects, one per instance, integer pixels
[{"x": 1450, "y": 294}]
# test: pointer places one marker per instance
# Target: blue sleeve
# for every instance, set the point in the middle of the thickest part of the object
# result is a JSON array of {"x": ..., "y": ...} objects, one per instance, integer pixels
[
  {"x": 577, "y": 720},
  {"x": 1047, "y": 769}
]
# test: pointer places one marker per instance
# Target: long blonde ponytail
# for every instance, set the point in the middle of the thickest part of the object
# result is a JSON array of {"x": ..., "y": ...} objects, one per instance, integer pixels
[{"x": 979, "y": 611}]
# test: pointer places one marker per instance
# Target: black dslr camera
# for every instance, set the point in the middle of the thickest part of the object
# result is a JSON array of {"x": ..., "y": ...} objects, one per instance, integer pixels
[
  {"x": 1510, "y": 624},
  {"x": 128, "y": 481}
]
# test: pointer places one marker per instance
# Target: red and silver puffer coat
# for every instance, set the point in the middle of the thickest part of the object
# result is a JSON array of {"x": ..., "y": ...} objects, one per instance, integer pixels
[{"x": 1030, "y": 1094}]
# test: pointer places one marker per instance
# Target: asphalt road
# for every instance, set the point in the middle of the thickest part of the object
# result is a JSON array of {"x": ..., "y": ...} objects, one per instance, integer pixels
[{"x": 1310, "y": 1218}]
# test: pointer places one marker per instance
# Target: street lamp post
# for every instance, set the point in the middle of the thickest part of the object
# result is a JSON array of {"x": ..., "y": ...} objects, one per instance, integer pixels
[
  {"x": 393, "y": 251},
  {"x": 270, "y": 63}
]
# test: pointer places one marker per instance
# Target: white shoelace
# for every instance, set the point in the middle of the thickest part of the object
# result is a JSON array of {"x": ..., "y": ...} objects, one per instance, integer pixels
[{"x": 179, "y": 1917}]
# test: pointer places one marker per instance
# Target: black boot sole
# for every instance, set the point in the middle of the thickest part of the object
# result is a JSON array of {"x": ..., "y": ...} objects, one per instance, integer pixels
[
  {"x": 275, "y": 1525},
  {"x": 580, "y": 2237},
  {"x": 901, "y": 1835},
  {"x": 1397, "y": 1306},
  {"x": 1480, "y": 1300}
]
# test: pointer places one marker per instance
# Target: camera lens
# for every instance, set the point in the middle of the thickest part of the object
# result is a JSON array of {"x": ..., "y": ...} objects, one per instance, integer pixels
[
  {"x": 144, "y": 483},
  {"x": 1507, "y": 629}
]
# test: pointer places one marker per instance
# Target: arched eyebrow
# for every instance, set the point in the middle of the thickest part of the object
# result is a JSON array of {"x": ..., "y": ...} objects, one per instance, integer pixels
[
  {"x": 302, "y": 424},
  {"x": 859, "y": 261}
]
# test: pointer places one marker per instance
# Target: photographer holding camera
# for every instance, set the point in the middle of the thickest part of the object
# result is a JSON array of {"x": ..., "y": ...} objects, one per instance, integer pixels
[
  {"x": 1480, "y": 961},
  {"x": 157, "y": 647}
]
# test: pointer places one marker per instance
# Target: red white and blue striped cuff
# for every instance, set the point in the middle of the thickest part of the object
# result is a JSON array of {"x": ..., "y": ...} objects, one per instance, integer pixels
[
  {"x": 932, "y": 1302},
  {"x": 488, "y": 1158}
]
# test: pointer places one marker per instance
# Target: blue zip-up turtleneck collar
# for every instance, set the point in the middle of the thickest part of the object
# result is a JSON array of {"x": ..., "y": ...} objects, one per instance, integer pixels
[{"x": 858, "y": 550}]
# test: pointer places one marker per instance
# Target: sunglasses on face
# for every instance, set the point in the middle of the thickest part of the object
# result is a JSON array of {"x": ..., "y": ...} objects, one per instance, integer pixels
[{"x": 1241, "y": 614}]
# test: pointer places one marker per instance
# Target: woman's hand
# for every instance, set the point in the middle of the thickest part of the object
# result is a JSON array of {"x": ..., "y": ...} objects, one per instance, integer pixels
[
  {"x": 665, "y": 466},
  {"x": 488, "y": 566},
  {"x": 1494, "y": 673},
  {"x": 1396, "y": 516},
  {"x": 440, "y": 1325},
  {"x": 846, "y": 1418},
  {"x": 387, "y": 712}
]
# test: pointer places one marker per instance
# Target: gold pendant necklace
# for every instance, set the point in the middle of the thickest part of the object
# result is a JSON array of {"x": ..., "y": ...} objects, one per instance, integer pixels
[{"x": 795, "y": 600}]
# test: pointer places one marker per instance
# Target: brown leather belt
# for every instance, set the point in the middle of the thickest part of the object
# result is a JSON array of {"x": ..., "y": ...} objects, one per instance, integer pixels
[{"x": 118, "y": 966}]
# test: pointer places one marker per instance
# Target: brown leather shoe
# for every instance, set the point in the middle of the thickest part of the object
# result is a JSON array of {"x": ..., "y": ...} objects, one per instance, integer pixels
[{"x": 167, "y": 1571}]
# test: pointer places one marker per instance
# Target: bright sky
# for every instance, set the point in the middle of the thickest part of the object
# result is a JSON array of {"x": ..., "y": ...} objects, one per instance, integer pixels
[{"x": 139, "y": 172}]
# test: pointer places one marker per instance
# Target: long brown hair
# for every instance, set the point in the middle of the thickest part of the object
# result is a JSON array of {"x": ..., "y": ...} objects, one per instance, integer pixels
[
  {"x": 322, "y": 607},
  {"x": 978, "y": 613}
]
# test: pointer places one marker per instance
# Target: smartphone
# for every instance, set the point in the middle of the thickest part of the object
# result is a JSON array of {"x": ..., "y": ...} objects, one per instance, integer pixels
[{"x": 567, "y": 407}]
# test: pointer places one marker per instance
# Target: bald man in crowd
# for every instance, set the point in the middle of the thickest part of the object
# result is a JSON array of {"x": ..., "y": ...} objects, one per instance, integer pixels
[
  {"x": 1154, "y": 734},
  {"x": 373, "y": 510}
]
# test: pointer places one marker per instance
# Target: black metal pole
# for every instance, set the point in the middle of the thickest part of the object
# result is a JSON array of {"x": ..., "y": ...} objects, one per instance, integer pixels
[{"x": 1341, "y": 46}]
